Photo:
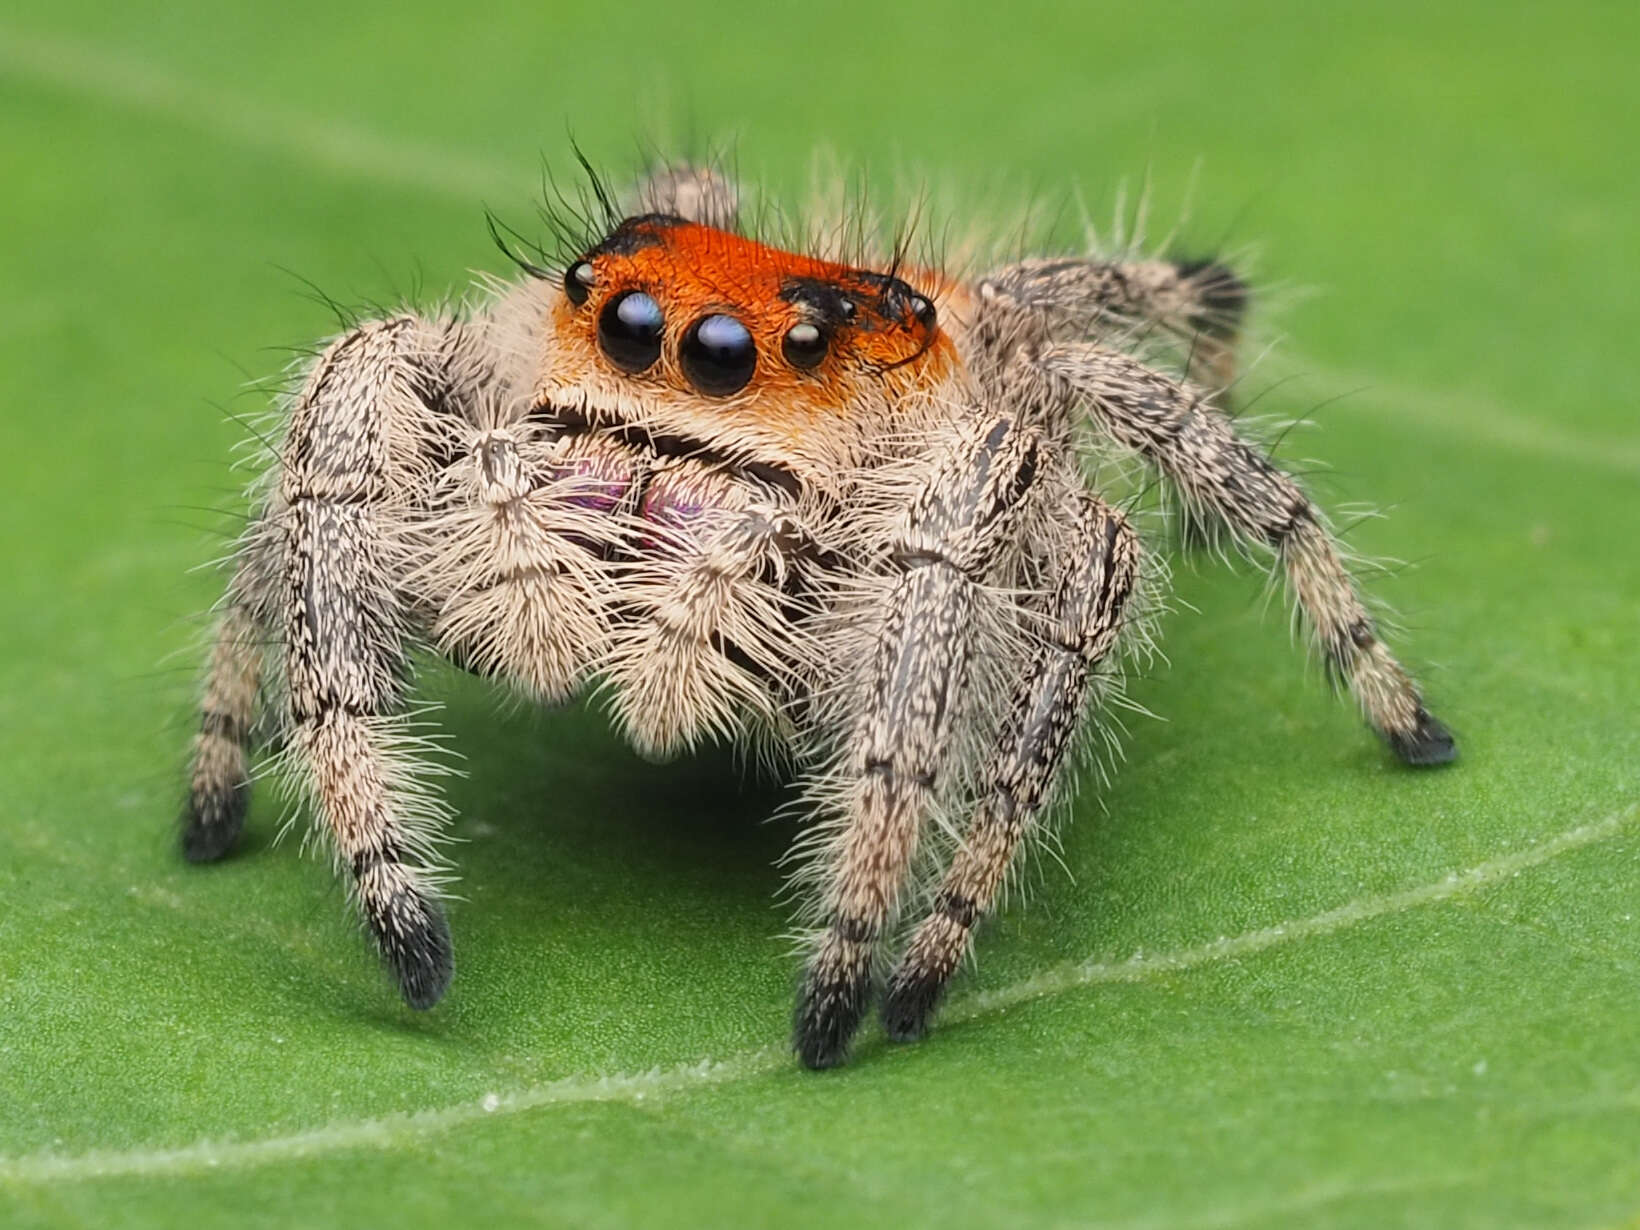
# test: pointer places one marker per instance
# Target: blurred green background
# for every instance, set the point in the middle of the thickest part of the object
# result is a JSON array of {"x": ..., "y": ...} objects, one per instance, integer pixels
[{"x": 1425, "y": 1009}]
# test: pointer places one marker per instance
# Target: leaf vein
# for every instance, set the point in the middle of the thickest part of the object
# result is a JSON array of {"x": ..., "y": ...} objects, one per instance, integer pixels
[{"x": 637, "y": 1088}]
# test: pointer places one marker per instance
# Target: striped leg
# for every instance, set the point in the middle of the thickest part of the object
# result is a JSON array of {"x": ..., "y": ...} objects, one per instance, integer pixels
[
  {"x": 1200, "y": 304},
  {"x": 1227, "y": 479},
  {"x": 219, "y": 784},
  {"x": 1047, "y": 713},
  {"x": 353, "y": 448},
  {"x": 896, "y": 749}
]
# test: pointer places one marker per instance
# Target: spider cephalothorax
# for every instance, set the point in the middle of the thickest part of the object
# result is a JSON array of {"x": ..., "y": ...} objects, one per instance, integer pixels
[{"x": 753, "y": 495}]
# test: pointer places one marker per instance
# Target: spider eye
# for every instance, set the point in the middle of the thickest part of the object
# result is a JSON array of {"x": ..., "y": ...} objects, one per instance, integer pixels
[
  {"x": 804, "y": 345},
  {"x": 923, "y": 309},
  {"x": 718, "y": 355},
  {"x": 629, "y": 330},
  {"x": 578, "y": 282}
]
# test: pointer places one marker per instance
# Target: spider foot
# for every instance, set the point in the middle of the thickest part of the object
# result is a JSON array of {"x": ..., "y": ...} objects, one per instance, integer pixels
[
  {"x": 828, "y": 1016},
  {"x": 414, "y": 939},
  {"x": 1428, "y": 743},
  {"x": 909, "y": 1006},
  {"x": 212, "y": 820}
]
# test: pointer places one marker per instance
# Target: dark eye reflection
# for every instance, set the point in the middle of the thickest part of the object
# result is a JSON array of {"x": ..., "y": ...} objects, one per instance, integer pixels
[
  {"x": 804, "y": 345},
  {"x": 718, "y": 355},
  {"x": 629, "y": 330},
  {"x": 578, "y": 281}
]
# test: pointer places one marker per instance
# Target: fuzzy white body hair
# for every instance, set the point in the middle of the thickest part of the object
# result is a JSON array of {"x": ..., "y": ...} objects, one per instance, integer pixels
[{"x": 841, "y": 517}]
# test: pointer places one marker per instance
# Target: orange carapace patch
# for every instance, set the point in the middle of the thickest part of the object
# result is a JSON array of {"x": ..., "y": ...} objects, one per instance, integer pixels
[
  {"x": 695, "y": 270},
  {"x": 881, "y": 340}
]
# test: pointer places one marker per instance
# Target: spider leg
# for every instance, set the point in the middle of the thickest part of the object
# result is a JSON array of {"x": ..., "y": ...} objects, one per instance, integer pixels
[
  {"x": 1095, "y": 576},
  {"x": 911, "y": 690},
  {"x": 1174, "y": 424},
  {"x": 219, "y": 785},
  {"x": 358, "y": 442},
  {"x": 1199, "y": 304},
  {"x": 697, "y": 193}
]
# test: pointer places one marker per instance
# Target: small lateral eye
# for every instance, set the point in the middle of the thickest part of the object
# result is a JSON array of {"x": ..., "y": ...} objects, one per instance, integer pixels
[
  {"x": 629, "y": 330},
  {"x": 718, "y": 355},
  {"x": 923, "y": 309},
  {"x": 578, "y": 282},
  {"x": 804, "y": 345}
]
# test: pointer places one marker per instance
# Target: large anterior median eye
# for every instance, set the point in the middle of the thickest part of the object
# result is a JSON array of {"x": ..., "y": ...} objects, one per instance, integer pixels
[
  {"x": 718, "y": 355},
  {"x": 629, "y": 330}
]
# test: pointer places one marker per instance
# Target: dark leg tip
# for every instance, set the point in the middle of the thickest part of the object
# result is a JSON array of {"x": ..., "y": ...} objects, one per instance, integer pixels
[
  {"x": 212, "y": 821},
  {"x": 415, "y": 942},
  {"x": 828, "y": 1016},
  {"x": 1428, "y": 743},
  {"x": 1221, "y": 292},
  {"x": 908, "y": 1008}
]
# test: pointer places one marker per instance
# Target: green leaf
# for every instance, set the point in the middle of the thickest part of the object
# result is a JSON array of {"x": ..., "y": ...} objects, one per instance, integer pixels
[{"x": 1278, "y": 980}]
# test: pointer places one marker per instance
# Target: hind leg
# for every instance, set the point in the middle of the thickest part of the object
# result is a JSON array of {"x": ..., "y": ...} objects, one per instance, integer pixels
[
  {"x": 1200, "y": 305},
  {"x": 896, "y": 751},
  {"x": 219, "y": 780}
]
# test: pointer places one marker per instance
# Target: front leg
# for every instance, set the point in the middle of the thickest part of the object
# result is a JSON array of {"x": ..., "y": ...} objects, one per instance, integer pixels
[
  {"x": 356, "y": 454},
  {"x": 1227, "y": 479},
  {"x": 1094, "y": 576},
  {"x": 899, "y": 735}
]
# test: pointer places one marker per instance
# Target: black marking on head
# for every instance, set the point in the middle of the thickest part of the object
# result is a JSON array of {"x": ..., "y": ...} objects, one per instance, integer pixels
[
  {"x": 827, "y": 304},
  {"x": 635, "y": 234},
  {"x": 1428, "y": 743},
  {"x": 897, "y": 301}
]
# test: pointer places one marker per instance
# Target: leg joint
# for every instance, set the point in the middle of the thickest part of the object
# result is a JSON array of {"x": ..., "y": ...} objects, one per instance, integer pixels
[{"x": 958, "y": 907}]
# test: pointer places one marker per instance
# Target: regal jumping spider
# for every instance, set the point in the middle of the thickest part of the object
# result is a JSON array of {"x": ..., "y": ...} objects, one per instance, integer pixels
[{"x": 763, "y": 497}]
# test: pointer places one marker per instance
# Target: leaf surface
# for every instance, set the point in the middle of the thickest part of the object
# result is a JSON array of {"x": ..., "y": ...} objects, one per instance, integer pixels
[{"x": 1277, "y": 981}]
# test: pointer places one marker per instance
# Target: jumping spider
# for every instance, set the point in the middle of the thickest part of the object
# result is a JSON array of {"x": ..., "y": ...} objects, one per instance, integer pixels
[{"x": 762, "y": 497}]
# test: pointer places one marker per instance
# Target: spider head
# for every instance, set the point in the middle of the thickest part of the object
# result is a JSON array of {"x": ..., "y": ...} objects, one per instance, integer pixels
[{"x": 675, "y": 329}]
